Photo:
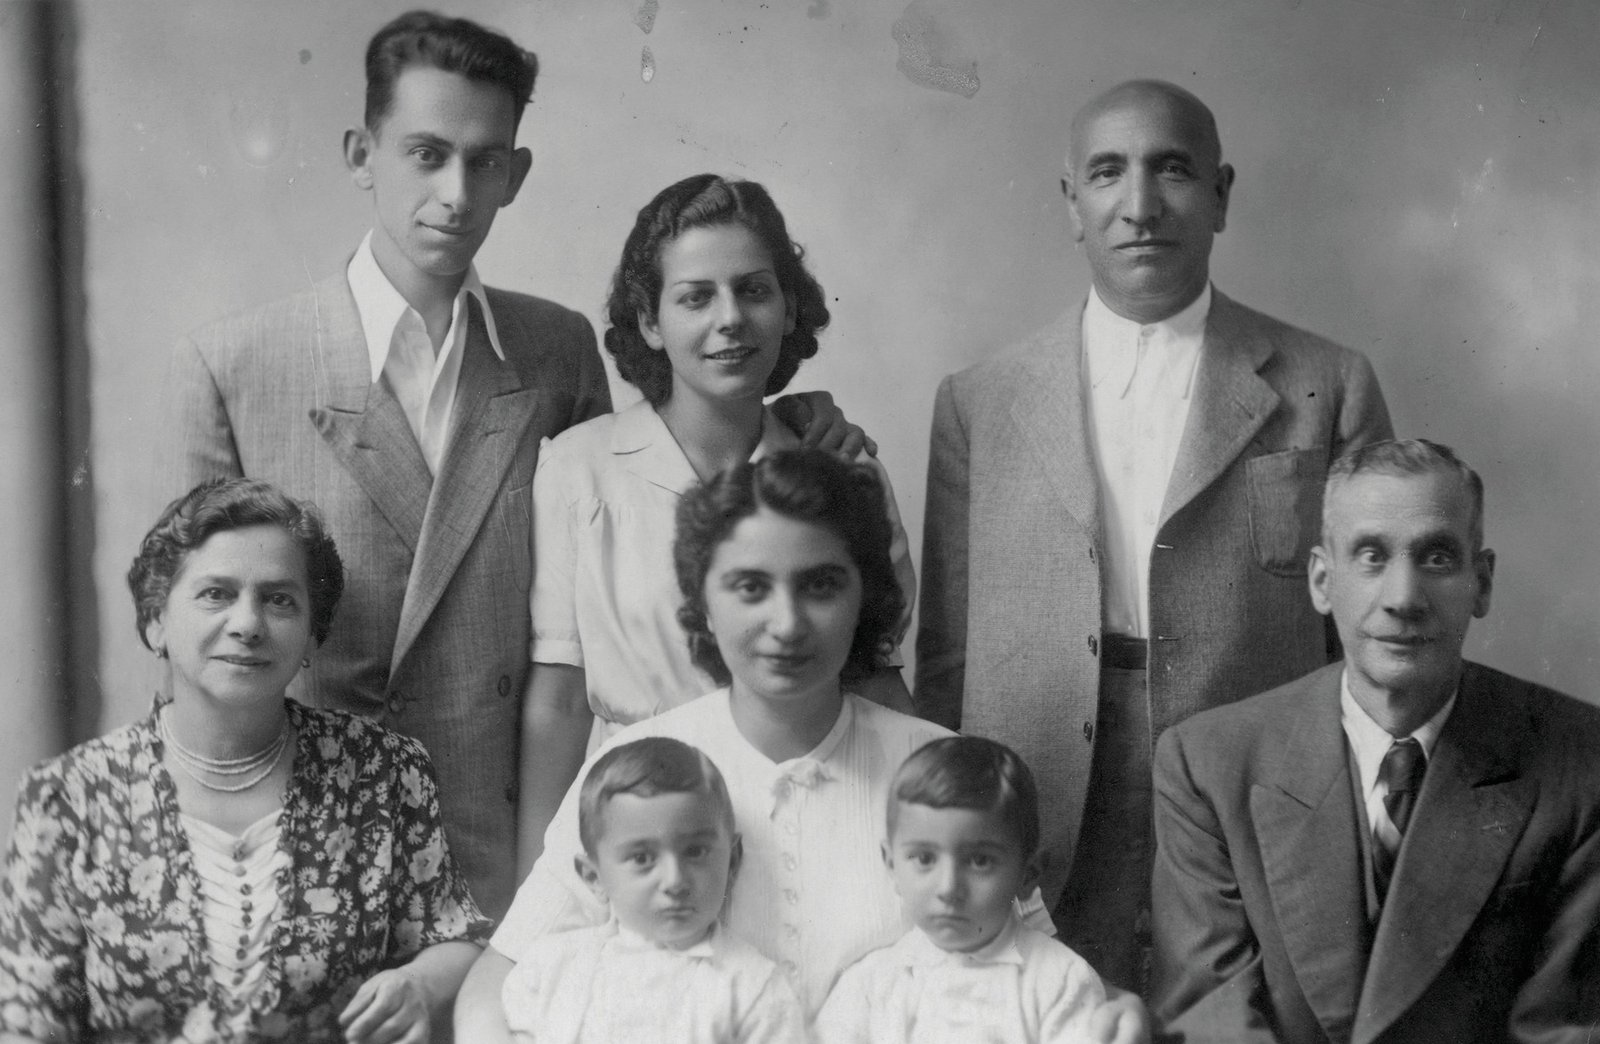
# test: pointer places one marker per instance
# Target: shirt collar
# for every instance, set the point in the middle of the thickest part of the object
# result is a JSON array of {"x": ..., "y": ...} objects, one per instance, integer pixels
[
  {"x": 638, "y": 430},
  {"x": 916, "y": 950},
  {"x": 629, "y": 941},
  {"x": 1110, "y": 341},
  {"x": 1370, "y": 741},
  {"x": 382, "y": 307}
]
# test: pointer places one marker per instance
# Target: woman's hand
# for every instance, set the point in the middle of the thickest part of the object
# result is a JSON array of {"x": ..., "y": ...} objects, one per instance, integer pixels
[
  {"x": 390, "y": 1008},
  {"x": 398, "y": 1006}
]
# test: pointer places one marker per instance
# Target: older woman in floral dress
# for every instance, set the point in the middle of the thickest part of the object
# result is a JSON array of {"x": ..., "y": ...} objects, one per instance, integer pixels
[{"x": 235, "y": 866}]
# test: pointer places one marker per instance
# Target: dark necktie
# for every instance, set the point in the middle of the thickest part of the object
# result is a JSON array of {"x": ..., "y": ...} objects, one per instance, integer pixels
[{"x": 1402, "y": 770}]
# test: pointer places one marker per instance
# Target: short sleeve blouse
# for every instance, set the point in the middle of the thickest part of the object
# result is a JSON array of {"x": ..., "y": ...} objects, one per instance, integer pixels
[{"x": 605, "y": 597}]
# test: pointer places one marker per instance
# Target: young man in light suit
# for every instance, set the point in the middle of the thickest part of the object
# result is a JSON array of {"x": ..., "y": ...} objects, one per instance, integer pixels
[
  {"x": 1119, "y": 510},
  {"x": 1403, "y": 847},
  {"x": 407, "y": 401}
]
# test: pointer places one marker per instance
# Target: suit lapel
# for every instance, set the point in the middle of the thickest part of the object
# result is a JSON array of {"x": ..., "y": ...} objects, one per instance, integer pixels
[
  {"x": 1049, "y": 409},
  {"x": 491, "y": 413},
  {"x": 1231, "y": 403},
  {"x": 361, "y": 420},
  {"x": 1305, "y": 817},
  {"x": 1471, "y": 811}
]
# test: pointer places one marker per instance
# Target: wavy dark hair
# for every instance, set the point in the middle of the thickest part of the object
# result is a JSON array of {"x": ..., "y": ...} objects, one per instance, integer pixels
[
  {"x": 703, "y": 201},
  {"x": 456, "y": 45},
  {"x": 973, "y": 773},
  {"x": 216, "y": 507},
  {"x": 808, "y": 485}
]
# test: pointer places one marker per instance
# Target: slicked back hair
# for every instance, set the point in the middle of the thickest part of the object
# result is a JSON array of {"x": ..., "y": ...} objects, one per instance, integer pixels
[
  {"x": 1405, "y": 457},
  {"x": 457, "y": 45}
]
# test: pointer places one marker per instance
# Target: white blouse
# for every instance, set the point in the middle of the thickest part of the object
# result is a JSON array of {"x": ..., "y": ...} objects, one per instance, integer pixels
[
  {"x": 238, "y": 904},
  {"x": 605, "y": 595},
  {"x": 812, "y": 893}
]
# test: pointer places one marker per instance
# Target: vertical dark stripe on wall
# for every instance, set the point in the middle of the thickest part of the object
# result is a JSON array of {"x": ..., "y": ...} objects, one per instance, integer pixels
[{"x": 81, "y": 645}]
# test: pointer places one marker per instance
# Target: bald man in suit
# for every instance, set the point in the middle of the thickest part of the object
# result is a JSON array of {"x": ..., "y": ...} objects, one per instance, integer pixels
[
  {"x": 1119, "y": 510},
  {"x": 1403, "y": 848}
]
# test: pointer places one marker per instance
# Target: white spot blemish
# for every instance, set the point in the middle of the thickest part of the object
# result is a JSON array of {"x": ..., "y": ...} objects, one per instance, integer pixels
[
  {"x": 259, "y": 128},
  {"x": 647, "y": 65}
]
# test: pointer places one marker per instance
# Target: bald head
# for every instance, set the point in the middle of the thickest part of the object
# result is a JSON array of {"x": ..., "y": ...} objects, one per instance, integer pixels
[
  {"x": 1150, "y": 95},
  {"x": 1146, "y": 190}
]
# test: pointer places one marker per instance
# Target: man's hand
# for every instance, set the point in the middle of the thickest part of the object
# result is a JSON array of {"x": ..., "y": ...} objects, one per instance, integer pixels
[
  {"x": 389, "y": 1008},
  {"x": 819, "y": 423},
  {"x": 1122, "y": 1019}
]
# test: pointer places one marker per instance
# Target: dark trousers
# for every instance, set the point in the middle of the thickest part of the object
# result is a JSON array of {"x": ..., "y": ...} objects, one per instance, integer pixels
[{"x": 1104, "y": 912}]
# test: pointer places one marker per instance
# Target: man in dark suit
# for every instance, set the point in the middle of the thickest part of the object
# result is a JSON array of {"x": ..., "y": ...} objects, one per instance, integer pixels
[
  {"x": 407, "y": 400},
  {"x": 1404, "y": 847},
  {"x": 1119, "y": 510}
]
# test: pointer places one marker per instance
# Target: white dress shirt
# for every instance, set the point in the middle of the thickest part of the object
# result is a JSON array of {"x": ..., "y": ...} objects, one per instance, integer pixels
[
  {"x": 605, "y": 985},
  {"x": 605, "y": 594},
  {"x": 1139, "y": 380},
  {"x": 424, "y": 381},
  {"x": 812, "y": 892},
  {"x": 1022, "y": 988},
  {"x": 1369, "y": 742}
]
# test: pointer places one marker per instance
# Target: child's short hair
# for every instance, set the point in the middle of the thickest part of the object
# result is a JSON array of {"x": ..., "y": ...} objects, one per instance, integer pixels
[
  {"x": 647, "y": 767},
  {"x": 970, "y": 772}
]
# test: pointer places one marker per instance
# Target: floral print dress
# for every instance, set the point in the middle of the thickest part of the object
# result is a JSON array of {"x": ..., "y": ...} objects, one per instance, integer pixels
[{"x": 101, "y": 936}]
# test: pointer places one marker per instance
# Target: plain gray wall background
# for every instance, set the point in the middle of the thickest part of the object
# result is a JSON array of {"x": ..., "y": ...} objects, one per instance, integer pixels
[{"x": 1417, "y": 179}]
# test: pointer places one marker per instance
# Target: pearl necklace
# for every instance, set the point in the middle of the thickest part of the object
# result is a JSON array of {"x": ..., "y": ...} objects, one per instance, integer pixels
[{"x": 256, "y": 767}]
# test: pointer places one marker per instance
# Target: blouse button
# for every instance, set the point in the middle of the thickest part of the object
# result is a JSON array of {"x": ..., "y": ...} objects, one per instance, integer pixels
[
  {"x": 789, "y": 861},
  {"x": 791, "y": 895},
  {"x": 505, "y": 686},
  {"x": 244, "y": 889},
  {"x": 791, "y": 932},
  {"x": 239, "y": 953},
  {"x": 790, "y": 828},
  {"x": 790, "y": 968},
  {"x": 244, "y": 918}
]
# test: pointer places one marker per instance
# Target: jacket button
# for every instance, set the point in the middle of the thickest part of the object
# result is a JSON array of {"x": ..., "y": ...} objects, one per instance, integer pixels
[
  {"x": 396, "y": 702},
  {"x": 1088, "y": 732},
  {"x": 1094, "y": 645},
  {"x": 505, "y": 685},
  {"x": 511, "y": 793}
]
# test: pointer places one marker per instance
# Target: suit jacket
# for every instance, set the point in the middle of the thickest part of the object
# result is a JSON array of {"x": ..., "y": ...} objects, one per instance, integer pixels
[
  {"x": 1491, "y": 931},
  {"x": 431, "y": 636},
  {"x": 1011, "y": 596}
]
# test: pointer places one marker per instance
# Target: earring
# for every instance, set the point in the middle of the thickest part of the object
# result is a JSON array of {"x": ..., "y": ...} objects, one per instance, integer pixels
[
  {"x": 306, "y": 663},
  {"x": 161, "y": 653}
]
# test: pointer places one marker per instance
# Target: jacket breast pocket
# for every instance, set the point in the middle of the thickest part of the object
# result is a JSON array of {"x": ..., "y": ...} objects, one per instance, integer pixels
[{"x": 1285, "y": 495}]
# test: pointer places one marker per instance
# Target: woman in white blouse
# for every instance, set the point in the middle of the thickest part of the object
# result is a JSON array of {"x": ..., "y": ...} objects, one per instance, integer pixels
[
  {"x": 789, "y": 595},
  {"x": 711, "y": 309}
]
